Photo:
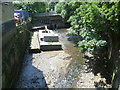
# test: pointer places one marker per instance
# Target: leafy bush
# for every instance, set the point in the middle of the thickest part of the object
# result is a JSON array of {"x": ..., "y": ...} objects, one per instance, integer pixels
[{"x": 91, "y": 41}]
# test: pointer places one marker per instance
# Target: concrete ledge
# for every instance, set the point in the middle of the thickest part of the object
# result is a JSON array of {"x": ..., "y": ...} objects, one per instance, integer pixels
[
  {"x": 50, "y": 38},
  {"x": 50, "y": 47}
]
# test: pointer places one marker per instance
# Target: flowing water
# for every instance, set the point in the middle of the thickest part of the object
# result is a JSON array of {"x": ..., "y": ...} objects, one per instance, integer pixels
[{"x": 74, "y": 69}]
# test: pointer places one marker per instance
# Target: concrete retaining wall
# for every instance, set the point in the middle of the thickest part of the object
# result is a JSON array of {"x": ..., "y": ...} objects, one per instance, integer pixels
[
  {"x": 12, "y": 56},
  {"x": 14, "y": 41},
  {"x": 7, "y": 11}
]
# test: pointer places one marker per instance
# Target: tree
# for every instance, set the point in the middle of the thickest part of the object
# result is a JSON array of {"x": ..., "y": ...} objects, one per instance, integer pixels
[
  {"x": 66, "y": 9},
  {"x": 51, "y": 6},
  {"x": 32, "y": 7}
]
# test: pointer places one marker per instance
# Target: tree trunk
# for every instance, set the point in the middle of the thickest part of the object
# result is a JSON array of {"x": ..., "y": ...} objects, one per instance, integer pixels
[{"x": 114, "y": 58}]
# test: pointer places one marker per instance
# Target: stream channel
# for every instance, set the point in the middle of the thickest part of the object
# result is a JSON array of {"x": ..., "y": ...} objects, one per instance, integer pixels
[{"x": 57, "y": 69}]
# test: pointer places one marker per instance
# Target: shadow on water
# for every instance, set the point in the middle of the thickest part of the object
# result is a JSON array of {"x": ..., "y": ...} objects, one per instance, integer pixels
[
  {"x": 31, "y": 76},
  {"x": 98, "y": 63},
  {"x": 34, "y": 51}
]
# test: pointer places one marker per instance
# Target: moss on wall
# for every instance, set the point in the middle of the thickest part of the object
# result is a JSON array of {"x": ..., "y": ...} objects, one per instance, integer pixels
[{"x": 13, "y": 55}]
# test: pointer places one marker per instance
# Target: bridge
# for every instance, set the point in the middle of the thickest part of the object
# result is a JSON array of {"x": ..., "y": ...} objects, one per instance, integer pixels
[{"x": 51, "y": 19}]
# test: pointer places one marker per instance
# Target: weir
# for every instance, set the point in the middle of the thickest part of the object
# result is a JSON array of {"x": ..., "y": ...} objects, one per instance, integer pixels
[{"x": 49, "y": 40}]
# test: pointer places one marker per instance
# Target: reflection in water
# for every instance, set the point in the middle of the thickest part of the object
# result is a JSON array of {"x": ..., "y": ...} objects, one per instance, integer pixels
[{"x": 70, "y": 48}]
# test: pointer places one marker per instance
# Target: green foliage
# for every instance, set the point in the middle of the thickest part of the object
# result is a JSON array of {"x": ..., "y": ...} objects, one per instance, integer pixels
[
  {"x": 66, "y": 9},
  {"x": 93, "y": 21},
  {"x": 32, "y": 7},
  {"x": 59, "y": 7},
  {"x": 97, "y": 16},
  {"x": 91, "y": 41},
  {"x": 51, "y": 6},
  {"x": 38, "y": 7},
  {"x": 90, "y": 45}
]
